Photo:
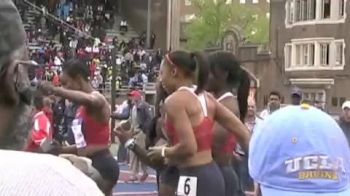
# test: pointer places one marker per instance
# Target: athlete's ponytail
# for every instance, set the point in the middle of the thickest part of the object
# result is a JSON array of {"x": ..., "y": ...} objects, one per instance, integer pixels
[
  {"x": 243, "y": 93},
  {"x": 194, "y": 64},
  {"x": 237, "y": 77},
  {"x": 202, "y": 70}
]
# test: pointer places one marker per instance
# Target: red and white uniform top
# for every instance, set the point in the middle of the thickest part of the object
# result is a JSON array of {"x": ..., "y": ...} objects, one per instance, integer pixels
[{"x": 41, "y": 130}]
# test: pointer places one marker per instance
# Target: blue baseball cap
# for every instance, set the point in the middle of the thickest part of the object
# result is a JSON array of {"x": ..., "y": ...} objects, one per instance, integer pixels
[{"x": 300, "y": 151}]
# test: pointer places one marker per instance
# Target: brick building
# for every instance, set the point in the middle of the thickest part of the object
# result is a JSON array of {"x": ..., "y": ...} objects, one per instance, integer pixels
[{"x": 309, "y": 45}]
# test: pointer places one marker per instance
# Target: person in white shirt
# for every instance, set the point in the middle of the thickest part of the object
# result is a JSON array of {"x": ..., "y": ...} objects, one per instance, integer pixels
[
  {"x": 252, "y": 120},
  {"x": 23, "y": 173}
]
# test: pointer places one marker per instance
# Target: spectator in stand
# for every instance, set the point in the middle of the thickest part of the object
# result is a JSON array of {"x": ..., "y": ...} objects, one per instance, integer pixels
[
  {"x": 56, "y": 79},
  {"x": 121, "y": 113},
  {"x": 153, "y": 40},
  {"x": 95, "y": 83},
  {"x": 99, "y": 79},
  {"x": 42, "y": 126},
  {"x": 48, "y": 108},
  {"x": 129, "y": 58},
  {"x": 123, "y": 26}
]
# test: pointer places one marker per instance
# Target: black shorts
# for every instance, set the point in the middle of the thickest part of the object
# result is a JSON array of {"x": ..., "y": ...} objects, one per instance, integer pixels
[
  {"x": 231, "y": 180},
  {"x": 209, "y": 179},
  {"x": 169, "y": 176},
  {"x": 106, "y": 165}
]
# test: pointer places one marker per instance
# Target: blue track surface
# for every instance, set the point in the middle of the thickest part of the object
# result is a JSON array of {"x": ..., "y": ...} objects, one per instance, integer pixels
[{"x": 147, "y": 188}]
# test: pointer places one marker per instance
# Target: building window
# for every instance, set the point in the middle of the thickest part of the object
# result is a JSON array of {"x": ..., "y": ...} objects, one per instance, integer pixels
[
  {"x": 297, "y": 55},
  {"x": 335, "y": 101},
  {"x": 313, "y": 95},
  {"x": 305, "y": 10},
  {"x": 311, "y": 9},
  {"x": 304, "y": 54},
  {"x": 242, "y": 1},
  {"x": 338, "y": 102},
  {"x": 255, "y": 1},
  {"x": 299, "y": 12},
  {"x": 288, "y": 55},
  {"x": 188, "y": 2},
  {"x": 341, "y": 8},
  {"x": 290, "y": 12},
  {"x": 316, "y": 53},
  {"x": 228, "y": 1},
  {"x": 324, "y": 56},
  {"x": 339, "y": 56},
  {"x": 326, "y": 9}
]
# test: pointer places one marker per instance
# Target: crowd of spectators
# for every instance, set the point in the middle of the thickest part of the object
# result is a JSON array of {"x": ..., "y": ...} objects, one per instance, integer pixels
[{"x": 73, "y": 28}]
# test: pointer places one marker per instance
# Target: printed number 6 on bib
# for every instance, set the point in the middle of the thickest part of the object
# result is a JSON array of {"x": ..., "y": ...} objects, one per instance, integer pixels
[{"x": 187, "y": 186}]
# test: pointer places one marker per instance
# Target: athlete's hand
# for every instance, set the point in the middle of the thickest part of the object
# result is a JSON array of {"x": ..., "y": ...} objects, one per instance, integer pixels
[
  {"x": 155, "y": 153},
  {"x": 123, "y": 135},
  {"x": 56, "y": 148}
]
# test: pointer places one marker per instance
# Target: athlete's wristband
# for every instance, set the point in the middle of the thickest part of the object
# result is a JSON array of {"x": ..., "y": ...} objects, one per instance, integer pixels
[
  {"x": 163, "y": 152},
  {"x": 130, "y": 144}
]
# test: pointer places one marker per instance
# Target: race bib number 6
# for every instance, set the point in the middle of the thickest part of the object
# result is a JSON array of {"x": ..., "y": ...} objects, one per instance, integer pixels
[{"x": 187, "y": 186}]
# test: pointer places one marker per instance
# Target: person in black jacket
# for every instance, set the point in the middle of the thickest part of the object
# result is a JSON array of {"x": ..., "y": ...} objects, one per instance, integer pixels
[
  {"x": 69, "y": 116},
  {"x": 58, "y": 108}
]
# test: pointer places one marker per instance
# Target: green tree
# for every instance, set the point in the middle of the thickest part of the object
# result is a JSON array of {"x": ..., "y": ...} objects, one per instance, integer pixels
[{"x": 215, "y": 17}]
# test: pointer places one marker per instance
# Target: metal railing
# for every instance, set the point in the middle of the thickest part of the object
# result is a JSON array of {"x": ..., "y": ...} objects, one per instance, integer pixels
[{"x": 149, "y": 88}]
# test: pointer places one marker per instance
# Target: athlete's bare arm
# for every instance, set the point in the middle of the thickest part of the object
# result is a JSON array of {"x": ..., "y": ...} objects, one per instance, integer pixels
[{"x": 94, "y": 100}]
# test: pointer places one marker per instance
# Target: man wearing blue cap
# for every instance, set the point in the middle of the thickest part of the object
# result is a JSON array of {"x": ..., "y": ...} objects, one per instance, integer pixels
[
  {"x": 296, "y": 96},
  {"x": 300, "y": 151}
]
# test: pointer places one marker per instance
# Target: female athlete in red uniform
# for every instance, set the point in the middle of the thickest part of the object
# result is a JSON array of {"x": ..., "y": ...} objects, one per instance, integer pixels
[
  {"x": 190, "y": 115},
  {"x": 225, "y": 76},
  {"x": 91, "y": 125}
]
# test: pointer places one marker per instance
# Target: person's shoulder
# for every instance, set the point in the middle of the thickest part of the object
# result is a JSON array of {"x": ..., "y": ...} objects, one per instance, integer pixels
[
  {"x": 45, "y": 173},
  {"x": 176, "y": 100}
]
